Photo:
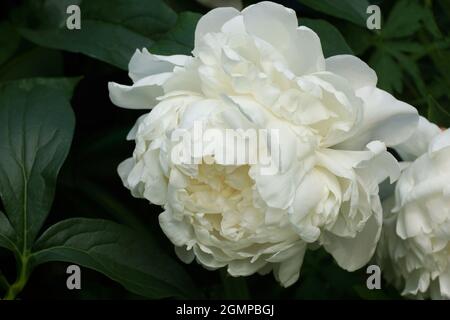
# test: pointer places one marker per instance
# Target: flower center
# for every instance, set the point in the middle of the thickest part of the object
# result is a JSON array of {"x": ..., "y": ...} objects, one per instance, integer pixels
[{"x": 221, "y": 199}]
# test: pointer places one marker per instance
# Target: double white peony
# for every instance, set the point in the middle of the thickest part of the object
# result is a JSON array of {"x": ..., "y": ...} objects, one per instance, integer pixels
[
  {"x": 414, "y": 251},
  {"x": 257, "y": 69}
]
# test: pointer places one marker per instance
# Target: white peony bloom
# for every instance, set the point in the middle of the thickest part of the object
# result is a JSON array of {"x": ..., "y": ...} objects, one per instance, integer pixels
[
  {"x": 414, "y": 251},
  {"x": 253, "y": 70}
]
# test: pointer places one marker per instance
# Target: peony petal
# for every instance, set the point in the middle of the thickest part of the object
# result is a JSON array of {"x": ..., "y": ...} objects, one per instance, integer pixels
[
  {"x": 141, "y": 95},
  {"x": 282, "y": 22},
  {"x": 207, "y": 259},
  {"x": 277, "y": 184},
  {"x": 144, "y": 64},
  {"x": 412, "y": 222},
  {"x": 418, "y": 143},
  {"x": 288, "y": 271},
  {"x": 356, "y": 71},
  {"x": 314, "y": 188},
  {"x": 299, "y": 45},
  {"x": 185, "y": 255},
  {"x": 345, "y": 110},
  {"x": 234, "y": 25},
  {"x": 213, "y": 22},
  {"x": 311, "y": 59},
  {"x": 444, "y": 283},
  {"x": 385, "y": 118},
  {"x": 440, "y": 142},
  {"x": 179, "y": 232},
  {"x": 133, "y": 132},
  {"x": 238, "y": 268},
  {"x": 353, "y": 253},
  {"x": 124, "y": 170},
  {"x": 155, "y": 189},
  {"x": 380, "y": 166}
]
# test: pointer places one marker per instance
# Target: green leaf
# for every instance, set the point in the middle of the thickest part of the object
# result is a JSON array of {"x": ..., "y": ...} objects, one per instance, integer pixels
[
  {"x": 351, "y": 10},
  {"x": 410, "y": 67},
  {"x": 104, "y": 41},
  {"x": 404, "y": 46},
  {"x": 117, "y": 252},
  {"x": 148, "y": 18},
  {"x": 441, "y": 60},
  {"x": 437, "y": 113},
  {"x": 64, "y": 85},
  {"x": 180, "y": 39},
  {"x": 36, "y": 128},
  {"x": 9, "y": 41},
  {"x": 332, "y": 41},
  {"x": 359, "y": 39},
  {"x": 444, "y": 6},
  {"x": 389, "y": 73},
  {"x": 430, "y": 23},
  {"x": 404, "y": 19},
  {"x": 34, "y": 62},
  {"x": 42, "y": 13},
  {"x": 112, "y": 34},
  {"x": 7, "y": 234}
]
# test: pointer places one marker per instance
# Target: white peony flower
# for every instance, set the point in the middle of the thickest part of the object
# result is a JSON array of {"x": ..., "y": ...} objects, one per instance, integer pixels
[
  {"x": 414, "y": 251},
  {"x": 257, "y": 69}
]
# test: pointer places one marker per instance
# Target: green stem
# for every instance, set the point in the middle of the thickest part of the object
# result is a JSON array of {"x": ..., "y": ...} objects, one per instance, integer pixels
[{"x": 22, "y": 278}]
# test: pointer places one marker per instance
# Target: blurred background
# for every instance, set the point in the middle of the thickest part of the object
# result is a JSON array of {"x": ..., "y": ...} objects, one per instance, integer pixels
[{"x": 410, "y": 53}]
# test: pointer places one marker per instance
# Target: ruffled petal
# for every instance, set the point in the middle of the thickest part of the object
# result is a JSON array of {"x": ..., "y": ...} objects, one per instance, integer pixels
[
  {"x": 299, "y": 45},
  {"x": 419, "y": 142},
  {"x": 213, "y": 22},
  {"x": 440, "y": 142},
  {"x": 384, "y": 118},
  {"x": 288, "y": 271},
  {"x": 141, "y": 95},
  {"x": 179, "y": 232},
  {"x": 238, "y": 268},
  {"x": 144, "y": 64},
  {"x": 353, "y": 253},
  {"x": 353, "y": 69}
]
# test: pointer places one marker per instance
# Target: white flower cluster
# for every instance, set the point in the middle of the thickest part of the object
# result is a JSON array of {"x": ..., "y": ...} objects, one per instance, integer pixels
[
  {"x": 414, "y": 250},
  {"x": 257, "y": 69}
]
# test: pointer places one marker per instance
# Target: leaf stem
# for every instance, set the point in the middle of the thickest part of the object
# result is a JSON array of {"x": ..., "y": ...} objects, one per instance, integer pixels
[{"x": 22, "y": 278}]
